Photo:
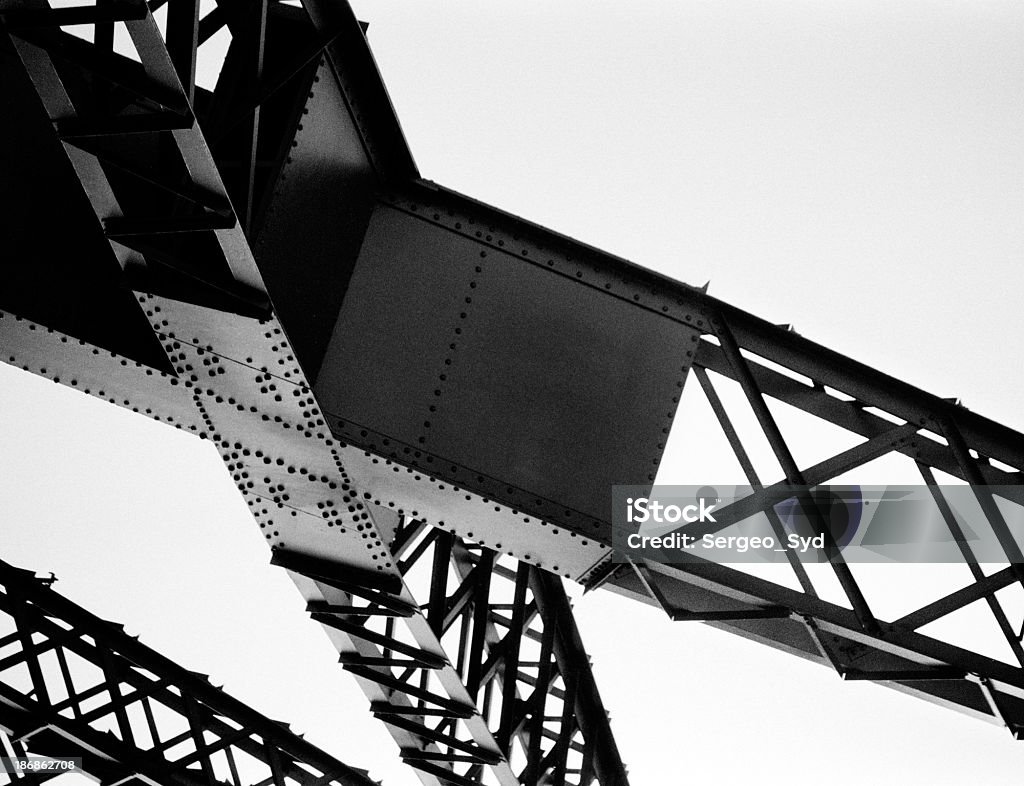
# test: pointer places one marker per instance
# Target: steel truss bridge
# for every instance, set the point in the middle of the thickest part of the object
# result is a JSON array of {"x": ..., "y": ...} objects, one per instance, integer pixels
[{"x": 422, "y": 399}]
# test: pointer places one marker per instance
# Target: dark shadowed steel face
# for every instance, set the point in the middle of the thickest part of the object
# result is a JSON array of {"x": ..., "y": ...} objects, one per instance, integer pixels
[{"x": 487, "y": 369}]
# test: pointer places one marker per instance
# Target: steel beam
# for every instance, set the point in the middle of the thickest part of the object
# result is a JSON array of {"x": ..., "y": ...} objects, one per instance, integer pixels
[
  {"x": 311, "y": 165},
  {"x": 486, "y": 648},
  {"x": 144, "y": 695}
]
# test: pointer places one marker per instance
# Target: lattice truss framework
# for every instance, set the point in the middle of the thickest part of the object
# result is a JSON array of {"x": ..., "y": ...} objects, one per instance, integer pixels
[
  {"x": 766, "y": 383},
  {"x": 781, "y": 404},
  {"x": 518, "y": 661},
  {"x": 540, "y": 714},
  {"x": 240, "y": 386},
  {"x": 73, "y": 685}
]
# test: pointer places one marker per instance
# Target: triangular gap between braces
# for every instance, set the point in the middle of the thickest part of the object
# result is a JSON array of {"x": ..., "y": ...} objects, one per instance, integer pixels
[
  {"x": 698, "y": 451},
  {"x": 975, "y": 629},
  {"x": 123, "y": 43},
  {"x": 811, "y": 440}
]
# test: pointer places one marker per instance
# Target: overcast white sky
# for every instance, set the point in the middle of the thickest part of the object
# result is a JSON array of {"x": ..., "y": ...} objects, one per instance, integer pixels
[{"x": 853, "y": 168}]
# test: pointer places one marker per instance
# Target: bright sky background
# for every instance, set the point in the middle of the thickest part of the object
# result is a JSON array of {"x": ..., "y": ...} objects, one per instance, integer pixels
[{"x": 854, "y": 168}]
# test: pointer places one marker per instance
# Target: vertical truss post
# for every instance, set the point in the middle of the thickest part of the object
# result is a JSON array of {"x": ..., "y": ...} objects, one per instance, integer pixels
[
  {"x": 113, "y": 679},
  {"x": 985, "y": 499},
  {"x": 183, "y": 42},
  {"x": 103, "y": 41},
  {"x": 437, "y": 607},
  {"x": 560, "y": 752},
  {"x": 510, "y": 658},
  {"x": 481, "y": 616},
  {"x": 538, "y": 704},
  {"x": 253, "y": 51}
]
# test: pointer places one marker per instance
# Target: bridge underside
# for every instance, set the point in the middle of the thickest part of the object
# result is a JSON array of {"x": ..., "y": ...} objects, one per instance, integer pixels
[
  {"x": 73, "y": 685},
  {"x": 424, "y": 400}
]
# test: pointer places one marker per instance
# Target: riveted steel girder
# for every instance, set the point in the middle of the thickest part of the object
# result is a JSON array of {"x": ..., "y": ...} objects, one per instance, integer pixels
[
  {"x": 181, "y": 180},
  {"x": 393, "y": 364}
]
